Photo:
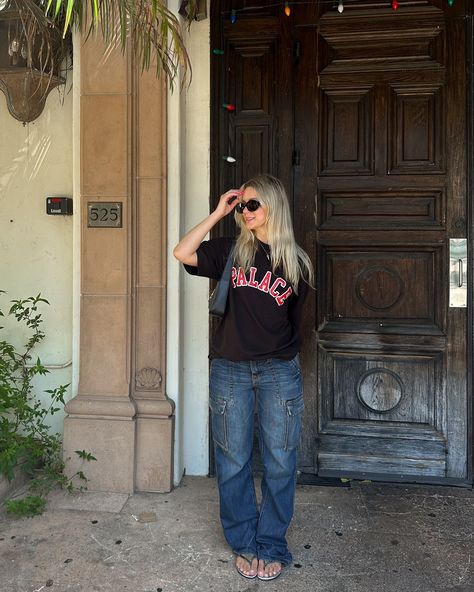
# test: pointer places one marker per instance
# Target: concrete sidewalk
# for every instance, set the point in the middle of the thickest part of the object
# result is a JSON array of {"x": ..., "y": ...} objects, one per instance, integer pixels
[{"x": 387, "y": 538}]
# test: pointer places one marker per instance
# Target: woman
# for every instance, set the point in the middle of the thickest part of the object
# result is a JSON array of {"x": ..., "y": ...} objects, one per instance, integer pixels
[{"x": 254, "y": 360}]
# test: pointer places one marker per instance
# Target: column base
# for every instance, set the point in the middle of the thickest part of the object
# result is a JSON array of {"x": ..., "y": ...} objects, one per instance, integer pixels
[
  {"x": 112, "y": 442},
  {"x": 154, "y": 454}
]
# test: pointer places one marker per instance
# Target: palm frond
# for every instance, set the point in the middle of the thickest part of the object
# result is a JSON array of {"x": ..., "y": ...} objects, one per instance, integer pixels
[{"x": 152, "y": 30}]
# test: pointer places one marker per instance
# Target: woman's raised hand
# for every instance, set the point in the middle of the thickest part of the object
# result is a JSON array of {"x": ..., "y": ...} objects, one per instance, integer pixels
[
  {"x": 228, "y": 201},
  {"x": 185, "y": 250}
]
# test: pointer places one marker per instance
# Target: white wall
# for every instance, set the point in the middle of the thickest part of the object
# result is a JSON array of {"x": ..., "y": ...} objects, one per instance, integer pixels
[
  {"x": 196, "y": 290},
  {"x": 188, "y": 203},
  {"x": 36, "y": 249}
]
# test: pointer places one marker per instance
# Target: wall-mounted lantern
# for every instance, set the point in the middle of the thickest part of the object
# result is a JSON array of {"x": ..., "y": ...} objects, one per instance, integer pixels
[{"x": 31, "y": 54}]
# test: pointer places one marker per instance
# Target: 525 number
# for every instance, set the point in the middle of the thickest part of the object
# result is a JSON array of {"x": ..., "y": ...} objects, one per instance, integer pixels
[{"x": 105, "y": 214}]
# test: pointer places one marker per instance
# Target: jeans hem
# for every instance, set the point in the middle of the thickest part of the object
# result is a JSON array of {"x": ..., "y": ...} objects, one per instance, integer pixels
[
  {"x": 284, "y": 562},
  {"x": 245, "y": 551}
]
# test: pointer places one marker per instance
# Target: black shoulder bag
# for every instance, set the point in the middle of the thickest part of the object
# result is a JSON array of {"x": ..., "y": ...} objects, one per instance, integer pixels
[{"x": 218, "y": 298}]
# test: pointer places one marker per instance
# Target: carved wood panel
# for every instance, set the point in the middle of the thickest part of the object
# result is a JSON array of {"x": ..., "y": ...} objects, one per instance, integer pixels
[
  {"x": 383, "y": 411},
  {"x": 248, "y": 72},
  {"x": 413, "y": 208},
  {"x": 390, "y": 387},
  {"x": 347, "y": 129},
  {"x": 383, "y": 288},
  {"x": 417, "y": 130}
]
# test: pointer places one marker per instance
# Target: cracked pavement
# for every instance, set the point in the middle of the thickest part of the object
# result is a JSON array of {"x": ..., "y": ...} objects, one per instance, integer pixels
[{"x": 368, "y": 536}]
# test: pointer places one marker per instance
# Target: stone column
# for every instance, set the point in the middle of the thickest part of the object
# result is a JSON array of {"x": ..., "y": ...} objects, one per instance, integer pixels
[
  {"x": 155, "y": 419},
  {"x": 127, "y": 424},
  {"x": 101, "y": 416}
]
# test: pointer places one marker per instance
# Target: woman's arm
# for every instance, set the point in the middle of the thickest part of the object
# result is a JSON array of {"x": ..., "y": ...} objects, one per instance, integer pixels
[{"x": 185, "y": 250}]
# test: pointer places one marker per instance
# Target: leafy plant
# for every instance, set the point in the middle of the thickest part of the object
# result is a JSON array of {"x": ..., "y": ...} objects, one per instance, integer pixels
[
  {"x": 26, "y": 440},
  {"x": 32, "y": 505},
  {"x": 148, "y": 27}
]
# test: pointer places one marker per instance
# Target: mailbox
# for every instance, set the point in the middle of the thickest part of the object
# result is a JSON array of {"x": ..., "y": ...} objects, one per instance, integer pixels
[{"x": 59, "y": 206}]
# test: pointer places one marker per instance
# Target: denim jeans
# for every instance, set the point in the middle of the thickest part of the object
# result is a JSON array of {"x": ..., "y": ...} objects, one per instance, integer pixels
[{"x": 275, "y": 387}]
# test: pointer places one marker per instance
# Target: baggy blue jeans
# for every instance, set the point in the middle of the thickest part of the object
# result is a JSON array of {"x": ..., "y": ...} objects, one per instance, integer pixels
[{"x": 275, "y": 387}]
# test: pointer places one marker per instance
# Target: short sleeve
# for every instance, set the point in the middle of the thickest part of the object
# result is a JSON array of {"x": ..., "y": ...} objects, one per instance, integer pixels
[
  {"x": 212, "y": 256},
  {"x": 295, "y": 309}
]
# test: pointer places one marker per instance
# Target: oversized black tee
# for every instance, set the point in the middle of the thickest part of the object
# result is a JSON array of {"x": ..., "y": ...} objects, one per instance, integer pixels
[{"x": 263, "y": 312}]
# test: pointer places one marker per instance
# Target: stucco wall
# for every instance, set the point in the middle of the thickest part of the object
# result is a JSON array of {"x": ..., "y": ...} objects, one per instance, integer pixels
[
  {"x": 196, "y": 319},
  {"x": 36, "y": 249}
]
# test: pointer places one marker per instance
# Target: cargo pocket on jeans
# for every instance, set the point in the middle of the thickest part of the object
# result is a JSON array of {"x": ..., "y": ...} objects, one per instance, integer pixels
[
  {"x": 294, "y": 411},
  {"x": 219, "y": 421}
]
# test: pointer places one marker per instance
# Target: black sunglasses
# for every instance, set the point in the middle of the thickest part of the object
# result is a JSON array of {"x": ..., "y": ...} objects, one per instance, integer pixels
[{"x": 251, "y": 205}]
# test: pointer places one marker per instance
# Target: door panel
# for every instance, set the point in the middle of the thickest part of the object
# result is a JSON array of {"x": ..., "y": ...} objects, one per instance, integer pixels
[
  {"x": 347, "y": 131},
  {"x": 404, "y": 208},
  {"x": 381, "y": 288},
  {"x": 254, "y": 75}
]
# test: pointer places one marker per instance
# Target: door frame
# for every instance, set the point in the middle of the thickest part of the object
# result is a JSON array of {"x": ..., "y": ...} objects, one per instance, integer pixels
[{"x": 470, "y": 238}]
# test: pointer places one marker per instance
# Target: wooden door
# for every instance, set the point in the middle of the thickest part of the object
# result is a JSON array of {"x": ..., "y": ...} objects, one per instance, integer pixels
[
  {"x": 252, "y": 70},
  {"x": 362, "y": 115},
  {"x": 380, "y": 107}
]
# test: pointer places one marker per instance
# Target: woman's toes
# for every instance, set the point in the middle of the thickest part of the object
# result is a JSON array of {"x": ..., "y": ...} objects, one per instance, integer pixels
[
  {"x": 273, "y": 569},
  {"x": 246, "y": 567}
]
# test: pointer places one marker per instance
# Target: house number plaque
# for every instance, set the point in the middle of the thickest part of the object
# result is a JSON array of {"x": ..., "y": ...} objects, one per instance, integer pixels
[{"x": 104, "y": 214}]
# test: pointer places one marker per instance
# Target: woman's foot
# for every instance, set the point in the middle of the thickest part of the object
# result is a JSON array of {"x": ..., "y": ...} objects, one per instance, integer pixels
[
  {"x": 247, "y": 566},
  {"x": 269, "y": 570}
]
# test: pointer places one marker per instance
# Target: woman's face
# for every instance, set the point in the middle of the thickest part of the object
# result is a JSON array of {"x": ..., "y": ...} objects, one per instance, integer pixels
[{"x": 255, "y": 221}]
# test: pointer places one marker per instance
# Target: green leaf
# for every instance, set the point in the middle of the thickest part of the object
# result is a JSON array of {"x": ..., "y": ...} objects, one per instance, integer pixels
[
  {"x": 85, "y": 455},
  {"x": 31, "y": 505}
]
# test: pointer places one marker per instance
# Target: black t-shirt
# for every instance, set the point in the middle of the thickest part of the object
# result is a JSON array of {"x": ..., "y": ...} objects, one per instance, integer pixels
[{"x": 263, "y": 312}]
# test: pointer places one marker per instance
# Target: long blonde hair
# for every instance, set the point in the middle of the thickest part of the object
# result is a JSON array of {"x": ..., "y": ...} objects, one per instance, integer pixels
[{"x": 285, "y": 253}]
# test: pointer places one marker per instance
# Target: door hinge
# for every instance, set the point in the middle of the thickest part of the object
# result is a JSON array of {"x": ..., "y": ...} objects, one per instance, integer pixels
[
  {"x": 296, "y": 52},
  {"x": 295, "y": 158}
]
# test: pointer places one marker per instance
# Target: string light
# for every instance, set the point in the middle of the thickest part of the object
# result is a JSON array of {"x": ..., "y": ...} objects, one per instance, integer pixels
[
  {"x": 228, "y": 106},
  {"x": 340, "y": 7},
  {"x": 229, "y": 158},
  {"x": 395, "y": 4},
  {"x": 233, "y": 16},
  {"x": 450, "y": 2},
  {"x": 287, "y": 9},
  {"x": 218, "y": 51}
]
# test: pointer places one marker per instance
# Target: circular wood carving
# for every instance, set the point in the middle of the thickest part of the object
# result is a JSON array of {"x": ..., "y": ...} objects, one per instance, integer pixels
[
  {"x": 379, "y": 288},
  {"x": 380, "y": 390}
]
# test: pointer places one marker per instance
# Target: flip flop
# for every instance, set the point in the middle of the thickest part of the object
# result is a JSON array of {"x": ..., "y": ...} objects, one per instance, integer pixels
[
  {"x": 248, "y": 558},
  {"x": 274, "y": 576}
]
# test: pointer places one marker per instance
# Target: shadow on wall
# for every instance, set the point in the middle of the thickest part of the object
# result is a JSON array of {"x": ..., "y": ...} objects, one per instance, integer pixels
[{"x": 28, "y": 159}]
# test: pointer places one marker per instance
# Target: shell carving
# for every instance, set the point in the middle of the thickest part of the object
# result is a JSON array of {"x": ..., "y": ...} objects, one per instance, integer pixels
[{"x": 148, "y": 379}]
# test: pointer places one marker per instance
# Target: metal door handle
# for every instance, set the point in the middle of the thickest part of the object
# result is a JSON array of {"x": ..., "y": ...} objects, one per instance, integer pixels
[
  {"x": 457, "y": 272},
  {"x": 460, "y": 278}
]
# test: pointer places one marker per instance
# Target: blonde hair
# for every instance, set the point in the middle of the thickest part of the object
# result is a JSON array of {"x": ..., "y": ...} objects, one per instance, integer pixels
[{"x": 285, "y": 253}]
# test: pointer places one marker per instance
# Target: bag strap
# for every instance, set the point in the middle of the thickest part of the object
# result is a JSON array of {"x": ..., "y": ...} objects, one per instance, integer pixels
[{"x": 228, "y": 266}]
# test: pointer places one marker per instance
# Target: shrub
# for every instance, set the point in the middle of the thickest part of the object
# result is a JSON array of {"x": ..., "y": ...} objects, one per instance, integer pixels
[{"x": 26, "y": 440}]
